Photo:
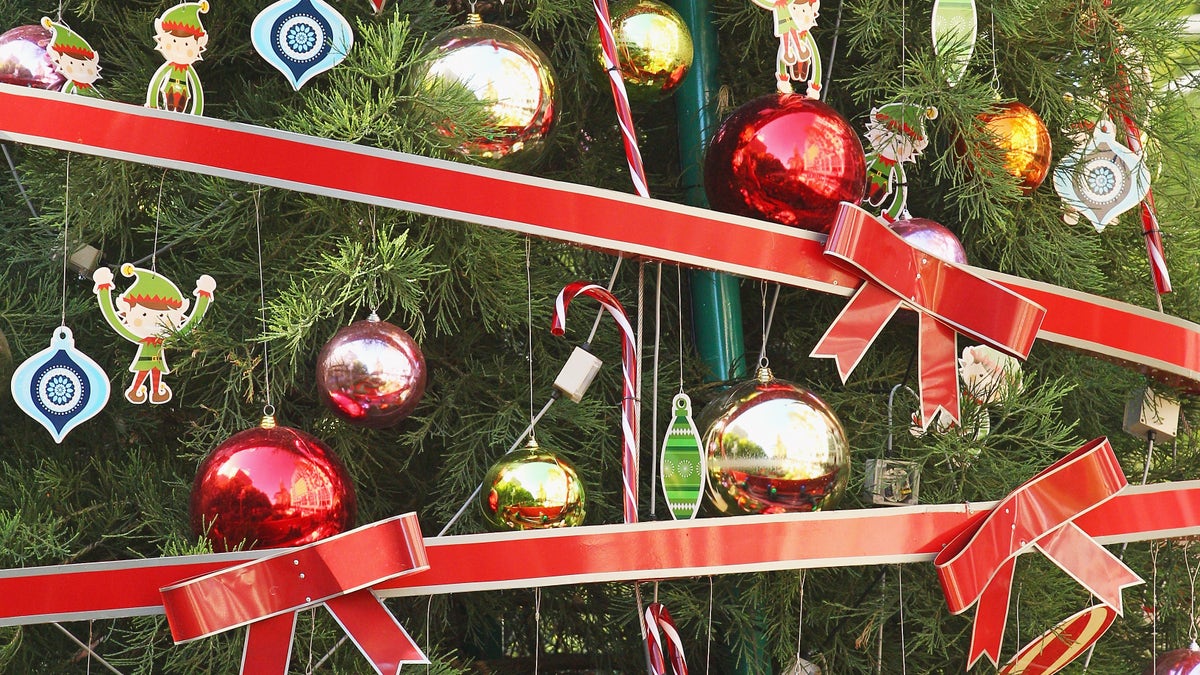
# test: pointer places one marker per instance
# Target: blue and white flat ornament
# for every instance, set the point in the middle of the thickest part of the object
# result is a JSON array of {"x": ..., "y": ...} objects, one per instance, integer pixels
[
  {"x": 301, "y": 38},
  {"x": 1101, "y": 178},
  {"x": 60, "y": 386}
]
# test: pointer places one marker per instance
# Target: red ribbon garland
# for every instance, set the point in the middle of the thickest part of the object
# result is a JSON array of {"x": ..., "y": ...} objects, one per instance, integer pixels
[
  {"x": 336, "y": 572},
  {"x": 977, "y": 564},
  {"x": 658, "y": 623},
  {"x": 947, "y": 298}
]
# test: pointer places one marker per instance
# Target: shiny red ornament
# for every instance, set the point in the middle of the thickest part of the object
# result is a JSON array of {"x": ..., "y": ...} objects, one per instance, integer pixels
[
  {"x": 785, "y": 158},
  {"x": 931, "y": 237},
  {"x": 24, "y": 61},
  {"x": 1023, "y": 139},
  {"x": 371, "y": 373},
  {"x": 1176, "y": 662},
  {"x": 271, "y": 487}
]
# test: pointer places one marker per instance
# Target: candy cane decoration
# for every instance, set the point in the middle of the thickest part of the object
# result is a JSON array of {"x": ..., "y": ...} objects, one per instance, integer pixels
[
  {"x": 629, "y": 403},
  {"x": 659, "y": 619},
  {"x": 608, "y": 48}
]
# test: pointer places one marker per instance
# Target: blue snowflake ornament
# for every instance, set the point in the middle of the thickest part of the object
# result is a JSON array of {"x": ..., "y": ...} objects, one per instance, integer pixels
[
  {"x": 60, "y": 386},
  {"x": 301, "y": 38}
]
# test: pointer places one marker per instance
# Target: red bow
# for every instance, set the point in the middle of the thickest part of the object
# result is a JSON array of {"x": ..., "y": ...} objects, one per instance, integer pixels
[
  {"x": 337, "y": 572},
  {"x": 977, "y": 564},
  {"x": 947, "y": 298}
]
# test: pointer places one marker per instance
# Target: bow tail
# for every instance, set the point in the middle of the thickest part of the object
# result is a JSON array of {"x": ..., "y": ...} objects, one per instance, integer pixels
[
  {"x": 269, "y": 645},
  {"x": 1093, "y": 566},
  {"x": 376, "y": 633},
  {"x": 987, "y": 633},
  {"x": 938, "y": 374},
  {"x": 852, "y": 332}
]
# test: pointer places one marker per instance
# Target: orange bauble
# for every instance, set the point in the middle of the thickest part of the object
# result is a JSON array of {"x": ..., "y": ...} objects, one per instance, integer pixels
[{"x": 1021, "y": 137}]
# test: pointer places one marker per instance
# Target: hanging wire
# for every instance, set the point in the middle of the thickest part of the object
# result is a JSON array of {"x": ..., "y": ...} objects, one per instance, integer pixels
[
  {"x": 679, "y": 314},
  {"x": 269, "y": 409},
  {"x": 800, "y": 619},
  {"x": 903, "y": 648},
  {"x": 537, "y": 627},
  {"x": 837, "y": 29},
  {"x": 612, "y": 281},
  {"x": 158, "y": 215},
  {"x": 1192, "y": 592},
  {"x": 529, "y": 328},
  {"x": 66, "y": 238},
  {"x": 768, "y": 317},
  {"x": 87, "y": 648},
  {"x": 654, "y": 394},
  {"x": 12, "y": 167},
  {"x": 429, "y": 633},
  {"x": 708, "y": 641}
]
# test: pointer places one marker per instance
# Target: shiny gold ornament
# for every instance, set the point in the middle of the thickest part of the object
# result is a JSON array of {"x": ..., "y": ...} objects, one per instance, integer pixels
[
  {"x": 1022, "y": 137},
  {"x": 773, "y": 447},
  {"x": 653, "y": 46},
  {"x": 532, "y": 489},
  {"x": 508, "y": 73}
]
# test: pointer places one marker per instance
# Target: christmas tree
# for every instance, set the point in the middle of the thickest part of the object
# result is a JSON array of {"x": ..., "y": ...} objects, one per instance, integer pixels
[{"x": 289, "y": 269}]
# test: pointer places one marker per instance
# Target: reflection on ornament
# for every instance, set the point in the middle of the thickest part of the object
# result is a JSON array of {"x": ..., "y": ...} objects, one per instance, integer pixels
[
  {"x": 507, "y": 72},
  {"x": 532, "y": 489},
  {"x": 1176, "y": 662},
  {"x": 371, "y": 373},
  {"x": 653, "y": 46},
  {"x": 773, "y": 447},
  {"x": 931, "y": 237},
  {"x": 1101, "y": 179},
  {"x": 24, "y": 60},
  {"x": 60, "y": 387},
  {"x": 682, "y": 462},
  {"x": 271, "y": 487},
  {"x": 1019, "y": 134},
  {"x": 785, "y": 158},
  {"x": 301, "y": 38}
]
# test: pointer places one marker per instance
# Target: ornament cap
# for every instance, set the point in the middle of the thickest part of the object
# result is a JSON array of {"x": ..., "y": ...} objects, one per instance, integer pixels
[
  {"x": 764, "y": 375},
  {"x": 474, "y": 19},
  {"x": 268, "y": 422},
  {"x": 374, "y": 317}
]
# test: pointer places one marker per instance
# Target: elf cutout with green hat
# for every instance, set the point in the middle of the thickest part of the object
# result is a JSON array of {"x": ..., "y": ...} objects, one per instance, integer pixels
[
  {"x": 180, "y": 38},
  {"x": 149, "y": 313},
  {"x": 896, "y": 134},
  {"x": 73, "y": 57}
]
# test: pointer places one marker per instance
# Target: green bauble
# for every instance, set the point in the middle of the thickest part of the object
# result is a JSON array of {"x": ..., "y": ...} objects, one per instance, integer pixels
[
  {"x": 773, "y": 447},
  {"x": 653, "y": 46},
  {"x": 532, "y": 489}
]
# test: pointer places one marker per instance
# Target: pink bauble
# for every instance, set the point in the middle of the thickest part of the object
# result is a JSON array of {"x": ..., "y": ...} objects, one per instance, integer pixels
[
  {"x": 371, "y": 373},
  {"x": 24, "y": 61},
  {"x": 785, "y": 158},
  {"x": 931, "y": 237},
  {"x": 1177, "y": 662},
  {"x": 271, "y": 487}
]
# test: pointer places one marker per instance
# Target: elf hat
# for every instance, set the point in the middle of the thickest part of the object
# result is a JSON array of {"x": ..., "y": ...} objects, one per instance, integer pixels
[
  {"x": 67, "y": 42},
  {"x": 907, "y": 118},
  {"x": 150, "y": 289},
  {"x": 184, "y": 18}
]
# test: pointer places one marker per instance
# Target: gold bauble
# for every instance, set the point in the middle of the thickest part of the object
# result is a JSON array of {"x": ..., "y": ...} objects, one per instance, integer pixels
[
  {"x": 511, "y": 76},
  {"x": 773, "y": 447},
  {"x": 1023, "y": 139},
  {"x": 532, "y": 489},
  {"x": 653, "y": 46}
]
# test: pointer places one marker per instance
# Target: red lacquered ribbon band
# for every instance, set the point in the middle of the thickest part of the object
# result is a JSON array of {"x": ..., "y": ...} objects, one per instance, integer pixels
[
  {"x": 977, "y": 564},
  {"x": 337, "y": 572},
  {"x": 948, "y": 299},
  {"x": 661, "y": 632}
]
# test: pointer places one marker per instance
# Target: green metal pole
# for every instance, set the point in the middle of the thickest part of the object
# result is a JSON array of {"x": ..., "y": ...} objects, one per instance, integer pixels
[{"x": 716, "y": 304}]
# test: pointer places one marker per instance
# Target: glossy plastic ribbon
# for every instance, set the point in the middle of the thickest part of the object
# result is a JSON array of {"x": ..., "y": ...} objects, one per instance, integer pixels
[
  {"x": 948, "y": 298},
  {"x": 336, "y": 572},
  {"x": 977, "y": 565},
  {"x": 661, "y": 632}
]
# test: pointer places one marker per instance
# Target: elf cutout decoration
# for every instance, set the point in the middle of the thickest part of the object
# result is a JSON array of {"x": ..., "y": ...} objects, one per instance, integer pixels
[
  {"x": 896, "y": 134},
  {"x": 74, "y": 59},
  {"x": 798, "y": 58},
  {"x": 150, "y": 312},
  {"x": 180, "y": 38}
]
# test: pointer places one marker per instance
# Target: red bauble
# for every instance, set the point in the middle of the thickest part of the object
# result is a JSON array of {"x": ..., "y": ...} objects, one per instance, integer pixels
[
  {"x": 371, "y": 373},
  {"x": 271, "y": 487},
  {"x": 785, "y": 158},
  {"x": 1024, "y": 141},
  {"x": 931, "y": 237},
  {"x": 24, "y": 61},
  {"x": 1177, "y": 662}
]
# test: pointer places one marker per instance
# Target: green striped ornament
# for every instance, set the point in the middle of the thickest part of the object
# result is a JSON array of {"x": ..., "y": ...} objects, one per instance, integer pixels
[
  {"x": 955, "y": 27},
  {"x": 682, "y": 462}
]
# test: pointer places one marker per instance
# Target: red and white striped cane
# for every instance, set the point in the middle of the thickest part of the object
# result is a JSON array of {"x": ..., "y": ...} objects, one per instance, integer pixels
[
  {"x": 658, "y": 624},
  {"x": 612, "y": 66},
  {"x": 629, "y": 367}
]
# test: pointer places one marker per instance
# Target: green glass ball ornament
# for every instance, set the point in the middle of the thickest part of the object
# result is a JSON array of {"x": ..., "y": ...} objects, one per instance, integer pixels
[
  {"x": 507, "y": 73},
  {"x": 532, "y": 489},
  {"x": 773, "y": 447},
  {"x": 653, "y": 46}
]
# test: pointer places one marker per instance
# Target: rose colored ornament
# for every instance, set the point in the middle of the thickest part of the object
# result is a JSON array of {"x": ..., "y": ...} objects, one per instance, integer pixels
[
  {"x": 532, "y": 489},
  {"x": 1021, "y": 136},
  {"x": 931, "y": 237},
  {"x": 371, "y": 373},
  {"x": 785, "y": 158},
  {"x": 653, "y": 46},
  {"x": 511, "y": 75},
  {"x": 271, "y": 487},
  {"x": 1176, "y": 662},
  {"x": 773, "y": 447},
  {"x": 24, "y": 61}
]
